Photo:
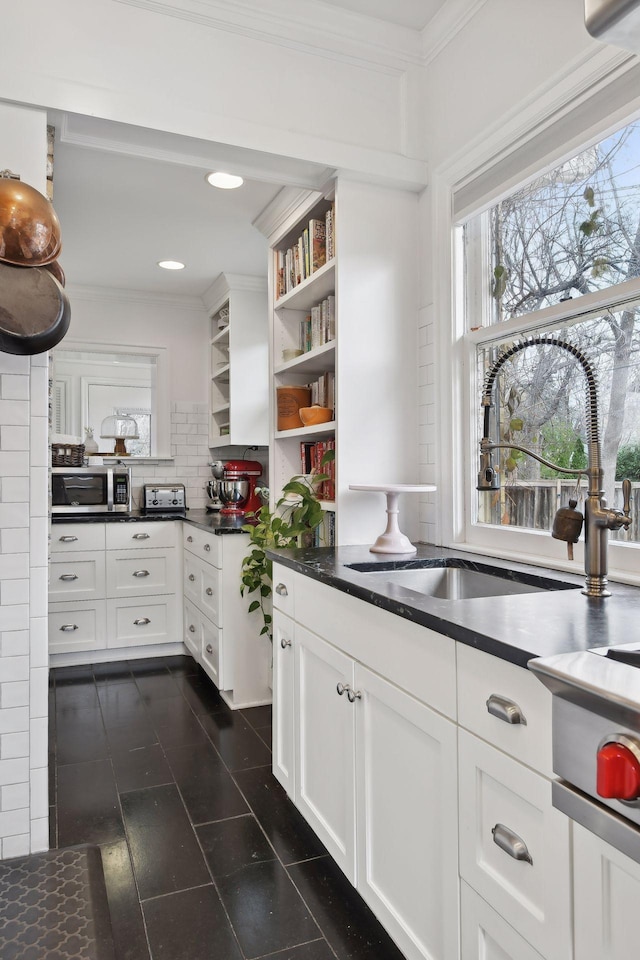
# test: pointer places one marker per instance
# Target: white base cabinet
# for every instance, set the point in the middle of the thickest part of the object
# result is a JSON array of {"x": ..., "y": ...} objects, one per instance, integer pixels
[
  {"x": 114, "y": 585},
  {"x": 218, "y": 632},
  {"x": 370, "y": 766},
  {"x": 485, "y": 935},
  {"x": 606, "y": 898}
]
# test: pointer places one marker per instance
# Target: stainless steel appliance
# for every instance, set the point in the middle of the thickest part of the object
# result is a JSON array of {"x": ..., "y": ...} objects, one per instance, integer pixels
[
  {"x": 237, "y": 488},
  {"x": 164, "y": 498},
  {"x": 596, "y": 740},
  {"x": 91, "y": 489}
]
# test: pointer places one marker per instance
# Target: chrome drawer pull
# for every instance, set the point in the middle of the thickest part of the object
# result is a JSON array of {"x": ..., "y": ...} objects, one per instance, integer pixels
[
  {"x": 68, "y": 576},
  {"x": 281, "y": 590},
  {"x": 342, "y": 688},
  {"x": 285, "y": 642},
  {"x": 209, "y": 592},
  {"x": 140, "y": 573},
  {"x": 140, "y": 536},
  {"x": 209, "y": 648},
  {"x": 505, "y": 710},
  {"x": 192, "y": 629},
  {"x": 510, "y": 842},
  {"x": 353, "y": 695},
  {"x": 192, "y": 576},
  {"x": 67, "y": 539},
  {"x": 207, "y": 547},
  {"x": 141, "y": 622},
  {"x": 68, "y": 627}
]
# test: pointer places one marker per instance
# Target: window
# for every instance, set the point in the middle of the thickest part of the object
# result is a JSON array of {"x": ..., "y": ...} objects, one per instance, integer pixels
[{"x": 560, "y": 255}]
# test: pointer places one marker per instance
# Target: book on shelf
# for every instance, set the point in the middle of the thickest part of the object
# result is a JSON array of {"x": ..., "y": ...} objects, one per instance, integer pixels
[
  {"x": 319, "y": 326},
  {"x": 318, "y": 249},
  {"x": 323, "y": 390},
  {"x": 324, "y": 534},
  {"x": 330, "y": 242},
  {"x": 311, "y": 454}
]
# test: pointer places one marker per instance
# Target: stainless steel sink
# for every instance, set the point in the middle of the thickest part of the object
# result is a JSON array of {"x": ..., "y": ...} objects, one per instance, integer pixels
[{"x": 452, "y": 578}]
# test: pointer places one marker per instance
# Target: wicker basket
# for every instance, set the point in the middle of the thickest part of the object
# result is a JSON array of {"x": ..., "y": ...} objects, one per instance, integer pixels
[{"x": 67, "y": 454}]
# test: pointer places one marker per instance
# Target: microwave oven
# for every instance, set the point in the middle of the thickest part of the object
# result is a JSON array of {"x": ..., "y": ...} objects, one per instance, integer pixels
[{"x": 91, "y": 489}]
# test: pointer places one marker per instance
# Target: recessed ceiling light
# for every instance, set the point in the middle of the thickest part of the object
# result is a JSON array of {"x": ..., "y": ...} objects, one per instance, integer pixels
[
  {"x": 225, "y": 181},
  {"x": 171, "y": 264}
]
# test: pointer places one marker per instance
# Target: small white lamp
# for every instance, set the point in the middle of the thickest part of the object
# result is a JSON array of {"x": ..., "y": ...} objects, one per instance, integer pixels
[{"x": 119, "y": 429}]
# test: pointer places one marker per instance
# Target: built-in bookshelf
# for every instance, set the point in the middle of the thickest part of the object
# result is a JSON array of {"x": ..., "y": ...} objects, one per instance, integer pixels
[
  {"x": 238, "y": 361},
  {"x": 349, "y": 323}
]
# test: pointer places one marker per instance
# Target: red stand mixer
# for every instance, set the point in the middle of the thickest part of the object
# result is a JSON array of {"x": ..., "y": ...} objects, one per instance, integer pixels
[{"x": 237, "y": 488}]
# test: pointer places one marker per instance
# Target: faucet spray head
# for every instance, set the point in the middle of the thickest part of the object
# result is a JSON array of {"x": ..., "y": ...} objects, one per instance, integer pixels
[{"x": 487, "y": 477}]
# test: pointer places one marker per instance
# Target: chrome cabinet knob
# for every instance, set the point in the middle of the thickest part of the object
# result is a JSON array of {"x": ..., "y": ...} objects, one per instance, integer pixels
[
  {"x": 285, "y": 642},
  {"x": 353, "y": 695},
  {"x": 189, "y": 539},
  {"x": 209, "y": 592},
  {"x": 192, "y": 629},
  {"x": 281, "y": 590},
  {"x": 207, "y": 547},
  {"x": 209, "y": 648},
  {"x": 342, "y": 688},
  {"x": 191, "y": 576}
]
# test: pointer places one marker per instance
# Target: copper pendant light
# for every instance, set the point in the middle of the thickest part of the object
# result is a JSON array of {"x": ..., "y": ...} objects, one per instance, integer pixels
[{"x": 29, "y": 226}]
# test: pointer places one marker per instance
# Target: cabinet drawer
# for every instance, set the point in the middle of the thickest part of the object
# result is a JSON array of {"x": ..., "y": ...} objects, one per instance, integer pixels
[
  {"x": 128, "y": 536},
  {"x": 145, "y": 572},
  {"x": 79, "y": 576},
  {"x": 192, "y": 630},
  {"x": 141, "y": 620},
  {"x": 502, "y": 805},
  {"x": 76, "y": 626},
  {"x": 485, "y": 935},
  {"x": 71, "y": 537},
  {"x": 486, "y": 684},
  {"x": 212, "y": 658},
  {"x": 191, "y": 577},
  {"x": 203, "y": 544},
  {"x": 210, "y": 599},
  {"x": 283, "y": 589}
]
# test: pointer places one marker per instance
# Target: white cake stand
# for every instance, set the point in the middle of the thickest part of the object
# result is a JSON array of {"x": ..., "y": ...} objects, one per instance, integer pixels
[{"x": 393, "y": 540}]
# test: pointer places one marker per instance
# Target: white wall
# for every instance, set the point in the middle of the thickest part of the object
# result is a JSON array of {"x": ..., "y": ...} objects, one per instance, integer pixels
[{"x": 23, "y": 549}]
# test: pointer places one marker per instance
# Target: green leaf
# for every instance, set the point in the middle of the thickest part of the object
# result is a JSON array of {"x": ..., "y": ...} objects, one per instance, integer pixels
[
  {"x": 516, "y": 424},
  {"x": 264, "y": 630},
  {"x": 589, "y": 196},
  {"x": 327, "y": 457},
  {"x": 265, "y": 590},
  {"x": 499, "y": 285},
  {"x": 254, "y": 605}
]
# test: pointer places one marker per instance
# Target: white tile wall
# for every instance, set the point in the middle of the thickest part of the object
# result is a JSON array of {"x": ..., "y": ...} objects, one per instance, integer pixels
[
  {"x": 23, "y": 604},
  {"x": 190, "y": 450}
]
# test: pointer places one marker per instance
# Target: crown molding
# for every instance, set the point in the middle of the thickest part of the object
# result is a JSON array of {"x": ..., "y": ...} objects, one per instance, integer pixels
[
  {"x": 78, "y": 292},
  {"x": 450, "y": 19},
  {"x": 284, "y": 205},
  {"x": 303, "y": 25},
  {"x": 227, "y": 283}
]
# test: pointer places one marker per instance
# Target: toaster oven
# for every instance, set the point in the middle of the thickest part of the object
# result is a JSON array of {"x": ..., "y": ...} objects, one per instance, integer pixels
[{"x": 91, "y": 489}]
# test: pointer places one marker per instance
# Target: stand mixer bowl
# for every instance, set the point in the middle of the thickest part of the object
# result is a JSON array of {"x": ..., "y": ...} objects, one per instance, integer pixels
[{"x": 234, "y": 493}]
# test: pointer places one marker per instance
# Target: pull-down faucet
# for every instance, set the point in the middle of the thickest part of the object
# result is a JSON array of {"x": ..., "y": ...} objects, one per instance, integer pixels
[{"x": 598, "y": 517}]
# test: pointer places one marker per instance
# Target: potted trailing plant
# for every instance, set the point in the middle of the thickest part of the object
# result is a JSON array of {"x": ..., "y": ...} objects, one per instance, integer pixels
[{"x": 297, "y": 513}]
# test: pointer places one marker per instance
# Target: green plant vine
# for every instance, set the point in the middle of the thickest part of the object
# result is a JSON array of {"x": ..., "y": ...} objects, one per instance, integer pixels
[{"x": 297, "y": 512}]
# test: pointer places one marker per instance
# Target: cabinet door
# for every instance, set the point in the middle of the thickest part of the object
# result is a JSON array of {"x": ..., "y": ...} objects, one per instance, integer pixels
[
  {"x": 191, "y": 577},
  {"x": 78, "y": 576},
  {"x": 407, "y": 831},
  {"x": 77, "y": 626},
  {"x": 607, "y": 894},
  {"x": 71, "y": 537},
  {"x": 486, "y": 936},
  {"x": 141, "y": 620},
  {"x": 325, "y": 745},
  {"x": 283, "y": 697},
  {"x": 138, "y": 573},
  {"x": 192, "y": 630},
  {"x": 503, "y": 805}
]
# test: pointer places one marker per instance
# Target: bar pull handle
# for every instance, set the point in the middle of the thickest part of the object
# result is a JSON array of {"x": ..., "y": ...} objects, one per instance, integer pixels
[
  {"x": 68, "y": 627},
  {"x": 505, "y": 709},
  {"x": 67, "y": 539},
  {"x": 511, "y": 843},
  {"x": 68, "y": 576},
  {"x": 140, "y": 536},
  {"x": 140, "y": 573},
  {"x": 281, "y": 590},
  {"x": 141, "y": 622}
]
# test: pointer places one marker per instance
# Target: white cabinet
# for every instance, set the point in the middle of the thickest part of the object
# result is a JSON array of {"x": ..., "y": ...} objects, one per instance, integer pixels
[
  {"x": 485, "y": 935},
  {"x": 113, "y": 585},
  {"x": 238, "y": 361},
  {"x": 372, "y": 280},
  {"x": 607, "y": 894},
  {"x": 371, "y": 767},
  {"x": 218, "y": 631}
]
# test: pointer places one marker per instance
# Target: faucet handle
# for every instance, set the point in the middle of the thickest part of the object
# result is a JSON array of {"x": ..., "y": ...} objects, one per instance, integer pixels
[{"x": 626, "y": 493}]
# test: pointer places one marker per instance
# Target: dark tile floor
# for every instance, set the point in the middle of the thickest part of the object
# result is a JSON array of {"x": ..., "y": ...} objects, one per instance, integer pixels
[{"x": 205, "y": 857}]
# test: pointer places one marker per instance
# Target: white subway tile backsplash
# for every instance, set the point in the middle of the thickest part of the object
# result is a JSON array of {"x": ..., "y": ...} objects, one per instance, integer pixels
[
  {"x": 14, "y": 694},
  {"x": 14, "y": 387},
  {"x": 13, "y": 719},
  {"x": 39, "y": 504},
  {"x": 14, "y": 771},
  {"x": 15, "y": 541},
  {"x": 16, "y": 846},
  {"x": 39, "y": 442},
  {"x": 14, "y": 515},
  {"x": 13, "y": 566},
  {"x": 39, "y": 834},
  {"x": 14, "y": 591},
  {"x": 39, "y": 692},
  {"x": 39, "y": 749},
  {"x": 14, "y": 668},
  {"x": 14, "y": 745},
  {"x": 14, "y": 489},
  {"x": 39, "y": 541},
  {"x": 39, "y": 642},
  {"x": 14, "y": 822},
  {"x": 39, "y": 793},
  {"x": 12, "y": 363},
  {"x": 15, "y": 617},
  {"x": 39, "y": 390},
  {"x": 14, "y": 796},
  {"x": 14, "y": 438},
  {"x": 14, "y": 413},
  {"x": 14, "y": 463},
  {"x": 14, "y": 643},
  {"x": 39, "y": 581}
]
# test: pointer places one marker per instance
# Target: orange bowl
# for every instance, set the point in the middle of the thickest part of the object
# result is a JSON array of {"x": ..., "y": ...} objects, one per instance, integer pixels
[{"x": 310, "y": 416}]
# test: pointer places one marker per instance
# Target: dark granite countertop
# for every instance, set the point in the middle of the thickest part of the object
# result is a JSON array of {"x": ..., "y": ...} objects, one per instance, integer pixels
[
  {"x": 205, "y": 519},
  {"x": 513, "y": 627}
]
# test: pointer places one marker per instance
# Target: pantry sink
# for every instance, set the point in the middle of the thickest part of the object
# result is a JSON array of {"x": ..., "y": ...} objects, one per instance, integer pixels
[{"x": 452, "y": 578}]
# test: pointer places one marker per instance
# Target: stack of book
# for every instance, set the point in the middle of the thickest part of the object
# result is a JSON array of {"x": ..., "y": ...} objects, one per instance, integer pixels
[
  {"x": 300, "y": 261},
  {"x": 323, "y": 391},
  {"x": 319, "y": 327},
  {"x": 311, "y": 454}
]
